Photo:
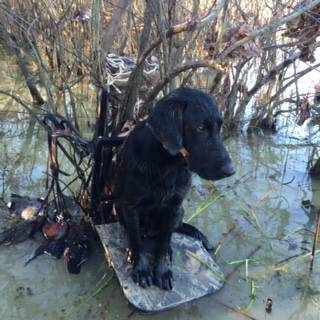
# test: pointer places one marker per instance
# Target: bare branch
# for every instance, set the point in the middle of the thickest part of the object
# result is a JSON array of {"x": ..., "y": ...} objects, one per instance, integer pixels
[
  {"x": 113, "y": 27},
  {"x": 289, "y": 83},
  {"x": 184, "y": 27},
  {"x": 193, "y": 65},
  {"x": 272, "y": 73},
  {"x": 271, "y": 26}
]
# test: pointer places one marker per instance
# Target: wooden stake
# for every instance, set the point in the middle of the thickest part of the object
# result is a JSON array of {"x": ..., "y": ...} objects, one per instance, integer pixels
[{"x": 315, "y": 239}]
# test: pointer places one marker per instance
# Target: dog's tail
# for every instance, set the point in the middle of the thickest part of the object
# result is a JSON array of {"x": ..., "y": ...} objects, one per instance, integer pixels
[{"x": 193, "y": 232}]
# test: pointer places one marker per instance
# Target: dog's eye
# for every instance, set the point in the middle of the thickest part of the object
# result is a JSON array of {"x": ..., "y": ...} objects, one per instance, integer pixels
[{"x": 202, "y": 128}]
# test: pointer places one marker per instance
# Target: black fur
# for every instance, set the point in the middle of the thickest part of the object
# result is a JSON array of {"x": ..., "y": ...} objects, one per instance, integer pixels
[{"x": 153, "y": 177}]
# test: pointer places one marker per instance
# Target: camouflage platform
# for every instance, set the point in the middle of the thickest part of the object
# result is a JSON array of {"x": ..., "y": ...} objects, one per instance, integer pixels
[{"x": 195, "y": 273}]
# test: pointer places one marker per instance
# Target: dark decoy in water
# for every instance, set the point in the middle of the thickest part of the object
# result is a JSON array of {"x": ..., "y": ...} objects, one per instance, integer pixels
[
  {"x": 73, "y": 244},
  {"x": 20, "y": 230},
  {"x": 24, "y": 207},
  {"x": 55, "y": 231},
  {"x": 26, "y": 218},
  {"x": 17, "y": 233},
  {"x": 78, "y": 246},
  {"x": 76, "y": 253},
  {"x": 53, "y": 248}
]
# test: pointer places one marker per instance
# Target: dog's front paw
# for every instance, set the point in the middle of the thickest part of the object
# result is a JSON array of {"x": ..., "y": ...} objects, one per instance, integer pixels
[
  {"x": 142, "y": 272},
  {"x": 163, "y": 275}
]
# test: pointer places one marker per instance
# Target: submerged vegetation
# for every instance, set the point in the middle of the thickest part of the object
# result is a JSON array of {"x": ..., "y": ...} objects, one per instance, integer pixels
[{"x": 254, "y": 57}]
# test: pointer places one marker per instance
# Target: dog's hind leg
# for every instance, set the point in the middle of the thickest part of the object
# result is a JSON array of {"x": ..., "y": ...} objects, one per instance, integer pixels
[{"x": 193, "y": 232}]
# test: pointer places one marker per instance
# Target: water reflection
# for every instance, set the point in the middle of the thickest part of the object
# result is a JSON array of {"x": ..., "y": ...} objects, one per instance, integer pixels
[{"x": 22, "y": 157}]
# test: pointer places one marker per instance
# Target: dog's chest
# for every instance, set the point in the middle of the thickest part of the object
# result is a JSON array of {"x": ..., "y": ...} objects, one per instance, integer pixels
[{"x": 168, "y": 183}]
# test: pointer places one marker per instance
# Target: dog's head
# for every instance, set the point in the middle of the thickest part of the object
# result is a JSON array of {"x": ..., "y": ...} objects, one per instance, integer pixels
[{"x": 188, "y": 121}]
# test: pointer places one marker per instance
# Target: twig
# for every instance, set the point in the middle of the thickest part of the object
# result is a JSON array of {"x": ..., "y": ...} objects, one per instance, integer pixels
[
  {"x": 54, "y": 166},
  {"x": 215, "y": 273},
  {"x": 235, "y": 310},
  {"x": 222, "y": 240},
  {"x": 254, "y": 251},
  {"x": 315, "y": 239},
  {"x": 184, "y": 27},
  {"x": 289, "y": 83},
  {"x": 271, "y": 26},
  {"x": 288, "y": 259},
  {"x": 296, "y": 257},
  {"x": 175, "y": 72},
  {"x": 35, "y": 114},
  {"x": 275, "y": 71}
]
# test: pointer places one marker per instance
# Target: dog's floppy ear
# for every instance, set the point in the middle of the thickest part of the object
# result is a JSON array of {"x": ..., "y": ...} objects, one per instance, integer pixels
[{"x": 166, "y": 123}]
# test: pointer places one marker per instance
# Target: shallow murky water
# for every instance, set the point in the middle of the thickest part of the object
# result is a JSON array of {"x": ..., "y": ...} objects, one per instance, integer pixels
[{"x": 255, "y": 218}]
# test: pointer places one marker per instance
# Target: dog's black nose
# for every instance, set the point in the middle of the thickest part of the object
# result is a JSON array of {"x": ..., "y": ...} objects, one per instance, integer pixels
[{"x": 228, "y": 169}]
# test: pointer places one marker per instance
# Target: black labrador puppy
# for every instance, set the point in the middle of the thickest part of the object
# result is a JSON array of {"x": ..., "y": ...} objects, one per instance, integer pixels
[{"x": 182, "y": 135}]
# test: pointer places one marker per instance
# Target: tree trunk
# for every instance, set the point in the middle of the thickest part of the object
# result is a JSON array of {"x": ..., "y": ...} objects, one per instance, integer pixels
[
  {"x": 315, "y": 169},
  {"x": 127, "y": 109}
]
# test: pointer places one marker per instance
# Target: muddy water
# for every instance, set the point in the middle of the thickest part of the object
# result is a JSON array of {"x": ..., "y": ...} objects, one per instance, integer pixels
[{"x": 256, "y": 219}]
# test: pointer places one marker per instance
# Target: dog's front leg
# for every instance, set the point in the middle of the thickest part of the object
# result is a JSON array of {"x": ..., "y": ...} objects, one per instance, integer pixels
[
  {"x": 142, "y": 269},
  {"x": 171, "y": 217}
]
